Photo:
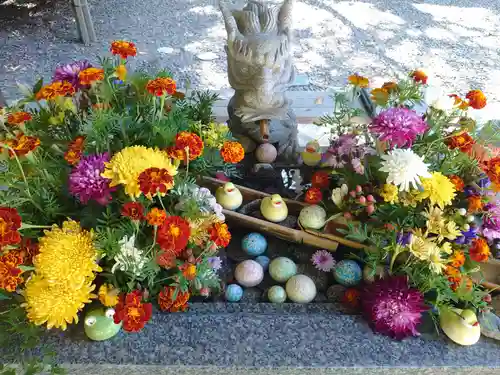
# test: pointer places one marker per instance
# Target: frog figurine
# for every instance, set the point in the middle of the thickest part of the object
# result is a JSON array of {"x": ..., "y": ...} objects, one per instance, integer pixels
[{"x": 100, "y": 325}]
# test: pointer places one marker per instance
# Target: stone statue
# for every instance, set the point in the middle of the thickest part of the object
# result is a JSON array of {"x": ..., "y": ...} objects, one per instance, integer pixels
[{"x": 260, "y": 68}]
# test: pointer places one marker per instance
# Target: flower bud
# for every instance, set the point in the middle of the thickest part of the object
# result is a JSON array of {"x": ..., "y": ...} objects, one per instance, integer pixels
[
  {"x": 370, "y": 209},
  {"x": 462, "y": 211},
  {"x": 470, "y": 218},
  {"x": 370, "y": 198},
  {"x": 347, "y": 215},
  {"x": 466, "y": 227},
  {"x": 359, "y": 189},
  {"x": 362, "y": 200},
  {"x": 352, "y": 193}
]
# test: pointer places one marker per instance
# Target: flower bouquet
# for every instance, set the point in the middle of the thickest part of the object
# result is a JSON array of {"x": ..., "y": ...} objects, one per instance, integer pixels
[
  {"x": 417, "y": 184},
  {"x": 99, "y": 199}
]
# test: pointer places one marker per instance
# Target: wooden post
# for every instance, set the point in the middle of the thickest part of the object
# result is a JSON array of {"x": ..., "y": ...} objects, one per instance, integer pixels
[
  {"x": 3, "y": 102},
  {"x": 84, "y": 23}
]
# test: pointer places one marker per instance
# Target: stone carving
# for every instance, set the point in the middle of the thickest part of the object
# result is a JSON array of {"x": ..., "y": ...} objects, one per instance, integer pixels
[{"x": 260, "y": 68}]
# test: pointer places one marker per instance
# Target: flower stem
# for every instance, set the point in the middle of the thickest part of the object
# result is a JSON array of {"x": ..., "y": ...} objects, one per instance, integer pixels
[{"x": 187, "y": 160}]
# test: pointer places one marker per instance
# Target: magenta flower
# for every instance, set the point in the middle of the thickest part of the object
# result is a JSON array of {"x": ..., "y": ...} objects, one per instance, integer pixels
[
  {"x": 393, "y": 308},
  {"x": 86, "y": 182},
  {"x": 323, "y": 260},
  {"x": 69, "y": 72},
  {"x": 398, "y": 126},
  {"x": 491, "y": 227}
]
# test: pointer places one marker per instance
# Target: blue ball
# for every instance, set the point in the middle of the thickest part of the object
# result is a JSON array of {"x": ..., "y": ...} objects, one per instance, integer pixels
[
  {"x": 263, "y": 261},
  {"x": 348, "y": 273},
  {"x": 254, "y": 244},
  {"x": 234, "y": 293}
]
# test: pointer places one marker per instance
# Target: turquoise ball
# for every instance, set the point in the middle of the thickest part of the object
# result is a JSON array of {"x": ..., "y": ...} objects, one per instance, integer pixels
[
  {"x": 263, "y": 261},
  {"x": 254, "y": 244},
  {"x": 348, "y": 273},
  {"x": 234, "y": 293},
  {"x": 276, "y": 294}
]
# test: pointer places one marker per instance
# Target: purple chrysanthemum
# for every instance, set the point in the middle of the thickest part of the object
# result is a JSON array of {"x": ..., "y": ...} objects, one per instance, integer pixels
[
  {"x": 86, "y": 182},
  {"x": 398, "y": 126},
  {"x": 323, "y": 260},
  {"x": 393, "y": 308},
  {"x": 491, "y": 226},
  {"x": 215, "y": 263},
  {"x": 69, "y": 72}
]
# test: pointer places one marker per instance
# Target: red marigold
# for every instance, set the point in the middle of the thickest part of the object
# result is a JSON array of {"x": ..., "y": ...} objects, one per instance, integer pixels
[
  {"x": 477, "y": 99},
  {"x": 161, "y": 86},
  {"x": 313, "y": 195},
  {"x": 479, "y": 250},
  {"x": 475, "y": 203},
  {"x": 90, "y": 75},
  {"x": 156, "y": 216},
  {"x": 154, "y": 181},
  {"x": 232, "y": 152},
  {"x": 419, "y": 76},
  {"x": 22, "y": 145},
  {"x": 174, "y": 234},
  {"x": 123, "y": 48},
  {"x": 28, "y": 250},
  {"x": 9, "y": 270},
  {"x": 462, "y": 141},
  {"x": 133, "y": 210},
  {"x": 166, "y": 259},
  {"x": 132, "y": 311},
  {"x": 457, "y": 259},
  {"x": 54, "y": 90},
  {"x": 320, "y": 179},
  {"x": 10, "y": 222},
  {"x": 18, "y": 118},
  {"x": 458, "y": 182},
  {"x": 219, "y": 233},
  {"x": 492, "y": 169},
  {"x": 188, "y": 271},
  {"x": 172, "y": 299},
  {"x": 352, "y": 298},
  {"x": 190, "y": 141}
]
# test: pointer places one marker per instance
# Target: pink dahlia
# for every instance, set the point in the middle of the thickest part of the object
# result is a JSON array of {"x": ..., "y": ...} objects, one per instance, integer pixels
[
  {"x": 398, "y": 126},
  {"x": 323, "y": 260},
  {"x": 86, "y": 182},
  {"x": 393, "y": 308}
]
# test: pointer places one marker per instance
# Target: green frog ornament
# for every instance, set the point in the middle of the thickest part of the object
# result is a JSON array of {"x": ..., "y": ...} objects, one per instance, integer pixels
[{"x": 100, "y": 325}]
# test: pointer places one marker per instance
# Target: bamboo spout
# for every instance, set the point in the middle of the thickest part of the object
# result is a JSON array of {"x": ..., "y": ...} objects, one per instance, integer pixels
[{"x": 264, "y": 130}]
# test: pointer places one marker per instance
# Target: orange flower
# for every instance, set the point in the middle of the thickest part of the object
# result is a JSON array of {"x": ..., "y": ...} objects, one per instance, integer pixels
[
  {"x": 28, "y": 250},
  {"x": 166, "y": 259},
  {"x": 477, "y": 99},
  {"x": 357, "y": 80},
  {"x": 232, "y": 152},
  {"x": 133, "y": 210},
  {"x": 156, "y": 216},
  {"x": 75, "y": 149},
  {"x": 123, "y": 48},
  {"x": 174, "y": 234},
  {"x": 22, "y": 145},
  {"x": 458, "y": 182},
  {"x": 161, "y": 86},
  {"x": 461, "y": 104},
  {"x": 18, "y": 118},
  {"x": 475, "y": 204},
  {"x": 492, "y": 169},
  {"x": 9, "y": 271},
  {"x": 154, "y": 181},
  {"x": 54, "y": 90},
  {"x": 457, "y": 259},
  {"x": 10, "y": 222},
  {"x": 90, "y": 75},
  {"x": 313, "y": 195},
  {"x": 454, "y": 277},
  {"x": 320, "y": 179},
  {"x": 132, "y": 311},
  {"x": 419, "y": 76},
  {"x": 188, "y": 271},
  {"x": 186, "y": 140},
  {"x": 462, "y": 141},
  {"x": 479, "y": 250},
  {"x": 380, "y": 96},
  {"x": 390, "y": 86},
  {"x": 219, "y": 233},
  {"x": 173, "y": 300}
]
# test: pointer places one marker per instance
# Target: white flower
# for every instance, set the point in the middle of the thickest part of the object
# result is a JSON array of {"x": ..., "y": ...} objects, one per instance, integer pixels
[
  {"x": 129, "y": 259},
  {"x": 338, "y": 194},
  {"x": 437, "y": 99},
  {"x": 404, "y": 168}
]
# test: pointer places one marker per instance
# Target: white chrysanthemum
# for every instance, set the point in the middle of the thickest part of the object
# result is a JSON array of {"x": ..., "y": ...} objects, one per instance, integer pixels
[
  {"x": 129, "y": 259},
  {"x": 404, "y": 168}
]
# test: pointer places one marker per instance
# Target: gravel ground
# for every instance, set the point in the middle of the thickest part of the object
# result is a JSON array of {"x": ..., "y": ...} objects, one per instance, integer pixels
[{"x": 455, "y": 40}]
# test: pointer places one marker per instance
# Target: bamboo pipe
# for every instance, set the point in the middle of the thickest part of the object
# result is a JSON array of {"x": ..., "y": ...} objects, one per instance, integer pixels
[{"x": 264, "y": 130}]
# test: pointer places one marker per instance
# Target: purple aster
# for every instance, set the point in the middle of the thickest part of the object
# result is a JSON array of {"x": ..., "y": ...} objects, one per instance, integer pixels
[
  {"x": 69, "y": 72},
  {"x": 393, "y": 308},
  {"x": 323, "y": 260},
  {"x": 469, "y": 191},
  {"x": 215, "y": 263},
  {"x": 467, "y": 236},
  {"x": 403, "y": 239},
  {"x": 398, "y": 126},
  {"x": 86, "y": 182}
]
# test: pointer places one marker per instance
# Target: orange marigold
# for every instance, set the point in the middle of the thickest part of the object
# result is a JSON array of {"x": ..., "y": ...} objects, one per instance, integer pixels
[
  {"x": 22, "y": 145},
  {"x": 320, "y": 179},
  {"x": 123, "y": 48},
  {"x": 462, "y": 141},
  {"x": 475, "y": 204},
  {"x": 232, "y": 152},
  {"x": 54, "y": 90},
  {"x": 161, "y": 86},
  {"x": 186, "y": 140},
  {"x": 477, "y": 99},
  {"x": 172, "y": 299},
  {"x": 156, "y": 216},
  {"x": 219, "y": 233},
  {"x": 188, "y": 271},
  {"x": 166, "y": 259},
  {"x": 90, "y": 75},
  {"x": 174, "y": 234},
  {"x": 479, "y": 250},
  {"x": 73, "y": 156},
  {"x": 18, "y": 118},
  {"x": 458, "y": 182},
  {"x": 154, "y": 181},
  {"x": 132, "y": 311},
  {"x": 492, "y": 169},
  {"x": 357, "y": 80},
  {"x": 457, "y": 259},
  {"x": 459, "y": 102},
  {"x": 10, "y": 222},
  {"x": 313, "y": 195},
  {"x": 133, "y": 210},
  {"x": 9, "y": 271},
  {"x": 390, "y": 86},
  {"x": 419, "y": 76}
]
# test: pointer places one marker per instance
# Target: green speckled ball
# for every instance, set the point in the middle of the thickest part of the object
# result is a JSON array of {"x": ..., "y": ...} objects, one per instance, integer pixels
[
  {"x": 276, "y": 294},
  {"x": 281, "y": 269}
]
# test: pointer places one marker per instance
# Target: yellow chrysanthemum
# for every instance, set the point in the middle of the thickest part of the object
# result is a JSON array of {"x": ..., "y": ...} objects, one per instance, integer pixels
[
  {"x": 436, "y": 263},
  {"x": 108, "y": 295},
  {"x": 56, "y": 304},
  {"x": 421, "y": 247},
  {"x": 390, "y": 193},
  {"x": 438, "y": 189},
  {"x": 446, "y": 248},
  {"x": 215, "y": 134},
  {"x": 409, "y": 199},
  {"x": 126, "y": 166},
  {"x": 67, "y": 253}
]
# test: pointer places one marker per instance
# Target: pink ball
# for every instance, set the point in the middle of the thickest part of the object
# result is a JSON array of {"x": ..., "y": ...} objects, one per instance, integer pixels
[{"x": 266, "y": 153}]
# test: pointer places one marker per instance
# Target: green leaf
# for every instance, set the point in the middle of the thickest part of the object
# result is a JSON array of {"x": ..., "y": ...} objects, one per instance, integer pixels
[
  {"x": 26, "y": 268},
  {"x": 4, "y": 296},
  {"x": 38, "y": 85}
]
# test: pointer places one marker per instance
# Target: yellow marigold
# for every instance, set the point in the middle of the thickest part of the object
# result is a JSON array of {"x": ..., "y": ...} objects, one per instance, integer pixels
[
  {"x": 232, "y": 152},
  {"x": 438, "y": 189},
  {"x": 357, "y": 80},
  {"x": 56, "y": 304},
  {"x": 108, "y": 295},
  {"x": 67, "y": 253},
  {"x": 126, "y": 166},
  {"x": 390, "y": 193}
]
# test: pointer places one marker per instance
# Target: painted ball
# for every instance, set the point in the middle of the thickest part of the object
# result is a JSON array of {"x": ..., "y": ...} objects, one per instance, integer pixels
[
  {"x": 312, "y": 217},
  {"x": 266, "y": 153},
  {"x": 263, "y": 261},
  {"x": 254, "y": 244},
  {"x": 281, "y": 269},
  {"x": 249, "y": 273},
  {"x": 234, "y": 293},
  {"x": 276, "y": 294},
  {"x": 301, "y": 289},
  {"x": 348, "y": 273}
]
